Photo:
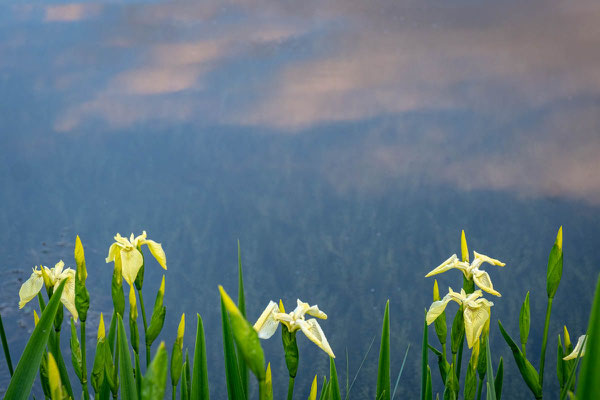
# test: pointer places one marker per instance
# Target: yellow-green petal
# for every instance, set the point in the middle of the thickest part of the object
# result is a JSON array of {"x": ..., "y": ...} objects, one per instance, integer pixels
[
  {"x": 450, "y": 263},
  {"x": 157, "y": 251},
  {"x": 488, "y": 260},
  {"x": 68, "y": 294},
  {"x": 313, "y": 331},
  {"x": 131, "y": 262},
  {"x": 113, "y": 250},
  {"x": 475, "y": 318},
  {"x": 579, "y": 346},
  {"x": 463, "y": 247},
  {"x": 483, "y": 281},
  {"x": 30, "y": 288},
  {"x": 266, "y": 325},
  {"x": 436, "y": 308}
]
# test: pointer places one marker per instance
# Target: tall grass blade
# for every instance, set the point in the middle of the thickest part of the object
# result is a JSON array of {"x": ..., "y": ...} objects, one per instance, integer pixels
[
  {"x": 359, "y": 368},
  {"x": 383, "y": 370},
  {"x": 27, "y": 368},
  {"x": 200, "y": 372},
  {"x": 5, "y": 348},
  {"x": 589, "y": 384},
  {"x": 400, "y": 373},
  {"x": 127, "y": 381},
  {"x": 235, "y": 390}
]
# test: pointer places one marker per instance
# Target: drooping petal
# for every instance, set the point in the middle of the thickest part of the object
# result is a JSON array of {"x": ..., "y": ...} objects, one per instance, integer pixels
[
  {"x": 30, "y": 288},
  {"x": 581, "y": 342},
  {"x": 157, "y": 251},
  {"x": 266, "y": 325},
  {"x": 131, "y": 262},
  {"x": 475, "y": 318},
  {"x": 68, "y": 294},
  {"x": 113, "y": 251},
  {"x": 488, "y": 260},
  {"x": 482, "y": 280},
  {"x": 313, "y": 331},
  {"x": 315, "y": 312},
  {"x": 438, "y": 307},
  {"x": 445, "y": 266}
]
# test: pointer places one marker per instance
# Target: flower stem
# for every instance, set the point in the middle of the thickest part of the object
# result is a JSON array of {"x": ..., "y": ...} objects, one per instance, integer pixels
[
  {"x": 174, "y": 392},
  {"x": 86, "y": 394},
  {"x": 5, "y": 347},
  {"x": 479, "y": 389},
  {"x": 545, "y": 341},
  {"x": 145, "y": 326},
  {"x": 290, "y": 388}
]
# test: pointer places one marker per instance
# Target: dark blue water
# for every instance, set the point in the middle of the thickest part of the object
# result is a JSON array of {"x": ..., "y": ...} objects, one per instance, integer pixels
[{"x": 344, "y": 144}]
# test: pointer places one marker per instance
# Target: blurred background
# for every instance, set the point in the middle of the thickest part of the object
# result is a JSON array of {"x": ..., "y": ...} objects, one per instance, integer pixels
[{"x": 344, "y": 143}]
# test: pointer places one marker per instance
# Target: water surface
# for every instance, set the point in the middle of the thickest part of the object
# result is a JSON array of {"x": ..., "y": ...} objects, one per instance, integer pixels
[{"x": 344, "y": 144}]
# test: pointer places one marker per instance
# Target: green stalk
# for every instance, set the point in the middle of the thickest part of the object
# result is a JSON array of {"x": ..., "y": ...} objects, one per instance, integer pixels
[
  {"x": 459, "y": 360},
  {"x": 479, "y": 387},
  {"x": 174, "y": 397},
  {"x": 145, "y": 326},
  {"x": 86, "y": 394},
  {"x": 5, "y": 347},
  {"x": 545, "y": 341},
  {"x": 290, "y": 388}
]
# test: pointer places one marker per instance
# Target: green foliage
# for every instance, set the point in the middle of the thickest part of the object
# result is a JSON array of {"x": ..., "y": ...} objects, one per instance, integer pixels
[
  {"x": 524, "y": 322},
  {"x": 75, "y": 351},
  {"x": 383, "y": 370},
  {"x": 499, "y": 379},
  {"x": 82, "y": 296},
  {"x": 22, "y": 380},
  {"x": 155, "y": 380},
  {"x": 200, "y": 371},
  {"x": 589, "y": 385},
  {"x": 158, "y": 316},
  {"x": 242, "y": 307},
  {"x": 490, "y": 373},
  {"x": 334, "y": 387},
  {"x": 127, "y": 382},
  {"x": 528, "y": 372},
  {"x": 555, "y": 265},
  {"x": 235, "y": 388}
]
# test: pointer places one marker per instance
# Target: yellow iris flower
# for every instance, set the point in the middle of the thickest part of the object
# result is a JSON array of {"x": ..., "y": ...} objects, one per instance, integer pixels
[
  {"x": 53, "y": 276},
  {"x": 471, "y": 271},
  {"x": 270, "y": 318},
  {"x": 581, "y": 342},
  {"x": 128, "y": 254},
  {"x": 476, "y": 312}
]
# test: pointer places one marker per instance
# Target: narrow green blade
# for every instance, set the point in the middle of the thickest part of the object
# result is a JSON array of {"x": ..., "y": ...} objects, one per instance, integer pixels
[
  {"x": 127, "y": 381},
  {"x": 200, "y": 372},
  {"x": 490, "y": 373},
  {"x": 383, "y": 371},
  {"x": 235, "y": 390},
  {"x": 589, "y": 384},
  {"x": 26, "y": 371},
  {"x": 334, "y": 387}
]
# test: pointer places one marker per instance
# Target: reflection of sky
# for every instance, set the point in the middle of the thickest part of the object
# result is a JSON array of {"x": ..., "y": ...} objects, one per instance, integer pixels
[
  {"x": 341, "y": 142},
  {"x": 521, "y": 80}
]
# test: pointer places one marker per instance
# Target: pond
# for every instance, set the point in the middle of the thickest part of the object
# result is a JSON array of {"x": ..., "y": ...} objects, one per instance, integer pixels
[{"x": 344, "y": 144}]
